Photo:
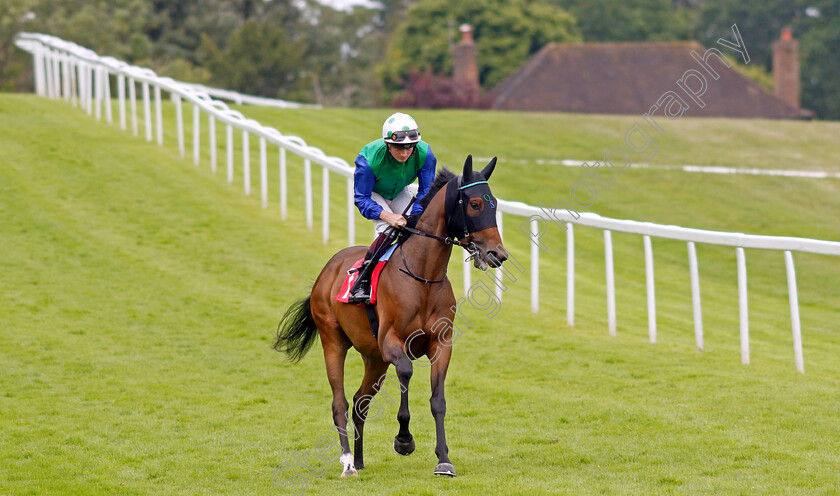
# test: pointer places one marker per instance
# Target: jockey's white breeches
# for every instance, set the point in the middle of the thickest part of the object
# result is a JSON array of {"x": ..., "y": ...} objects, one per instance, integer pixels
[{"x": 395, "y": 206}]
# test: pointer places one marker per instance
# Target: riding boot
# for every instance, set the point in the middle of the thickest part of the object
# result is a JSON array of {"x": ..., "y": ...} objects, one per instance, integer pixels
[{"x": 360, "y": 292}]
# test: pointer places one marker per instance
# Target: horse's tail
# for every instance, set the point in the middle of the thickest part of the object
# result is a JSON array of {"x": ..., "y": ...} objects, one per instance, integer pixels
[{"x": 297, "y": 331}]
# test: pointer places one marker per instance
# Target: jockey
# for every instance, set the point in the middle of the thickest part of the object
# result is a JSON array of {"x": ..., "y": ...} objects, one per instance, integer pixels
[{"x": 384, "y": 170}]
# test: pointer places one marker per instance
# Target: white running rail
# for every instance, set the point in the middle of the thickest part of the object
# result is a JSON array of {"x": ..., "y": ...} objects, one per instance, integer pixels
[
  {"x": 242, "y": 99},
  {"x": 64, "y": 70}
]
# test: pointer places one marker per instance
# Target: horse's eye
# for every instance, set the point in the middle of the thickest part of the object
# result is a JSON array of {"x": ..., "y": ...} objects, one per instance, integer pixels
[{"x": 474, "y": 205}]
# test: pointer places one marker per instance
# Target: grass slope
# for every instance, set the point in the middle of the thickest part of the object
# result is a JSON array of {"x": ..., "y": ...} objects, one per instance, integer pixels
[{"x": 139, "y": 296}]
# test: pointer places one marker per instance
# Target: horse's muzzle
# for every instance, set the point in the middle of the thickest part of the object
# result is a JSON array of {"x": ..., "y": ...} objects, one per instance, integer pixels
[{"x": 495, "y": 259}]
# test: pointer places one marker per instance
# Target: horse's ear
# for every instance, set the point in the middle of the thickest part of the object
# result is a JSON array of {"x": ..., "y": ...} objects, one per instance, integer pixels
[
  {"x": 468, "y": 171},
  {"x": 489, "y": 169}
]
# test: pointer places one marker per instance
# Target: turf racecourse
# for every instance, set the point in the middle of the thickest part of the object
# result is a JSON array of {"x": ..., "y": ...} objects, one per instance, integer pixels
[{"x": 139, "y": 295}]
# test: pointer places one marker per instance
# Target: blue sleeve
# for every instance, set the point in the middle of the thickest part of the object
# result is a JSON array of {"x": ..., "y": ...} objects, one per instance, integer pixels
[
  {"x": 425, "y": 178},
  {"x": 363, "y": 182}
]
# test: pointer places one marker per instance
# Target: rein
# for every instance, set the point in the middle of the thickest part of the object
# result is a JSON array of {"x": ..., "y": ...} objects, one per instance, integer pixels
[
  {"x": 412, "y": 274},
  {"x": 470, "y": 247}
]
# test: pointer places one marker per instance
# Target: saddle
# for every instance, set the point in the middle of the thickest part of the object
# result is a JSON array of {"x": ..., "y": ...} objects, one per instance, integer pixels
[{"x": 344, "y": 293}]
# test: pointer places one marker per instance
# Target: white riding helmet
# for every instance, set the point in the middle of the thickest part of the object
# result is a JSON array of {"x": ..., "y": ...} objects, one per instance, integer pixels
[{"x": 400, "y": 129}]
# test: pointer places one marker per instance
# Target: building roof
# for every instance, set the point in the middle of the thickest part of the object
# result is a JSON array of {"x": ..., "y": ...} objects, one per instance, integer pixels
[{"x": 629, "y": 78}]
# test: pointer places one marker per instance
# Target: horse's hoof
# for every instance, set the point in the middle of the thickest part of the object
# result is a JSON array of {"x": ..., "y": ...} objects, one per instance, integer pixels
[
  {"x": 350, "y": 473},
  {"x": 404, "y": 449},
  {"x": 445, "y": 469}
]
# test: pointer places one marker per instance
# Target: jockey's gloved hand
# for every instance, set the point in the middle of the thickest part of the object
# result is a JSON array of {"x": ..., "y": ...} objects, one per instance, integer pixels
[{"x": 411, "y": 220}]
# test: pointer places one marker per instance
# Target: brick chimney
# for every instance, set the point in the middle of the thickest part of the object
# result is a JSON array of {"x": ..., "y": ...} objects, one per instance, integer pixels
[
  {"x": 465, "y": 60},
  {"x": 786, "y": 68}
]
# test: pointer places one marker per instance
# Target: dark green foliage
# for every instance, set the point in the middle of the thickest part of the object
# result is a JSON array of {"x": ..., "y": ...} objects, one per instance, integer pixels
[
  {"x": 816, "y": 23},
  {"x": 819, "y": 47},
  {"x": 258, "y": 60},
  {"x": 112, "y": 27},
  {"x": 340, "y": 53},
  {"x": 109, "y": 27},
  {"x": 629, "y": 20},
  {"x": 759, "y": 22},
  {"x": 13, "y": 19}
]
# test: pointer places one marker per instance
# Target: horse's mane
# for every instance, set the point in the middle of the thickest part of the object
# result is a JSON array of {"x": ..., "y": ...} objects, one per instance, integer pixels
[{"x": 443, "y": 176}]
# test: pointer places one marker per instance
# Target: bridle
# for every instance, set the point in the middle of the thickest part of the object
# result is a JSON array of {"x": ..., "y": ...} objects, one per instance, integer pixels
[{"x": 454, "y": 224}]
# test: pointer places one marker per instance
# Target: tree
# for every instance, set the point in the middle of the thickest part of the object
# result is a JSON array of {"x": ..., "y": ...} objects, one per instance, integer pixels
[
  {"x": 301, "y": 50},
  {"x": 819, "y": 46},
  {"x": 816, "y": 23},
  {"x": 759, "y": 21},
  {"x": 15, "y": 16},
  {"x": 630, "y": 20},
  {"x": 176, "y": 29},
  {"x": 108, "y": 27},
  {"x": 341, "y": 50},
  {"x": 392, "y": 11},
  {"x": 506, "y": 33},
  {"x": 259, "y": 59}
]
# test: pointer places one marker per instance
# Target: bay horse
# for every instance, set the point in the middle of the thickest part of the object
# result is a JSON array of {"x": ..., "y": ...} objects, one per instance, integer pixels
[{"x": 409, "y": 308}]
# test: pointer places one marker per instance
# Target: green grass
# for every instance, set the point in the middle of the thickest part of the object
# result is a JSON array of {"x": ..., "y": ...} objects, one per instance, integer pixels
[{"x": 139, "y": 296}]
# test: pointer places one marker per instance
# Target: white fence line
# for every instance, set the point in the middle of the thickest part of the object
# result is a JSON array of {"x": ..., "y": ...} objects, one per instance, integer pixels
[
  {"x": 64, "y": 70},
  {"x": 94, "y": 72},
  {"x": 240, "y": 99}
]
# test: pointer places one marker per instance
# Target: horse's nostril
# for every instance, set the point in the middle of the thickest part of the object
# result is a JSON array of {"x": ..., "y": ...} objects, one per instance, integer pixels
[{"x": 494, "y": 259}]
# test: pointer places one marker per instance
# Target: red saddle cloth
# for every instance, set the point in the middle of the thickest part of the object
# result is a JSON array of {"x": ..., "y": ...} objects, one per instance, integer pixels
[{"x": 343, "y": 295}]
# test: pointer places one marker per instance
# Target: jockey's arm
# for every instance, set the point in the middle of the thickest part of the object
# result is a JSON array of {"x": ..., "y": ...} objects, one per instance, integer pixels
[
  {"x": 363, "y": 182},
  {"x": 425, "y": 178}
]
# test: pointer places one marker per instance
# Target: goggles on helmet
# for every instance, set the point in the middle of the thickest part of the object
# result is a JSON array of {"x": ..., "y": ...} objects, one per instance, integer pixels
[{"x": 398, "y": 136}]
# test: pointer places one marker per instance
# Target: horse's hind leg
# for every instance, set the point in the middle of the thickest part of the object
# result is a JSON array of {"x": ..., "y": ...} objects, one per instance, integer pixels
[
  {"x": 393, "y": 351},
  {"x": 375, "y": 370},
  {"x": 335, "y": 352},
  {"x": 440, "y": 364}
]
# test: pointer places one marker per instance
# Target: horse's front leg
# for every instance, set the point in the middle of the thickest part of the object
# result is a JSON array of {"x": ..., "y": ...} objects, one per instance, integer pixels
[
  {"x": 440, "y": 355},
  {"x": 394, "y": 352}
]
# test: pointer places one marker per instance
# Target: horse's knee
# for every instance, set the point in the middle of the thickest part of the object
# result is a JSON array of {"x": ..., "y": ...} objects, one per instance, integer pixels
[
  {"x": 438, "y": 405},
  {"x": 394, "y": 352},
  {"x": 404, "y": 368},
  {"x": 357, "y": 399},
  {"x": 339, "y": 408},
  {"x": 361, "y": 407}
]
